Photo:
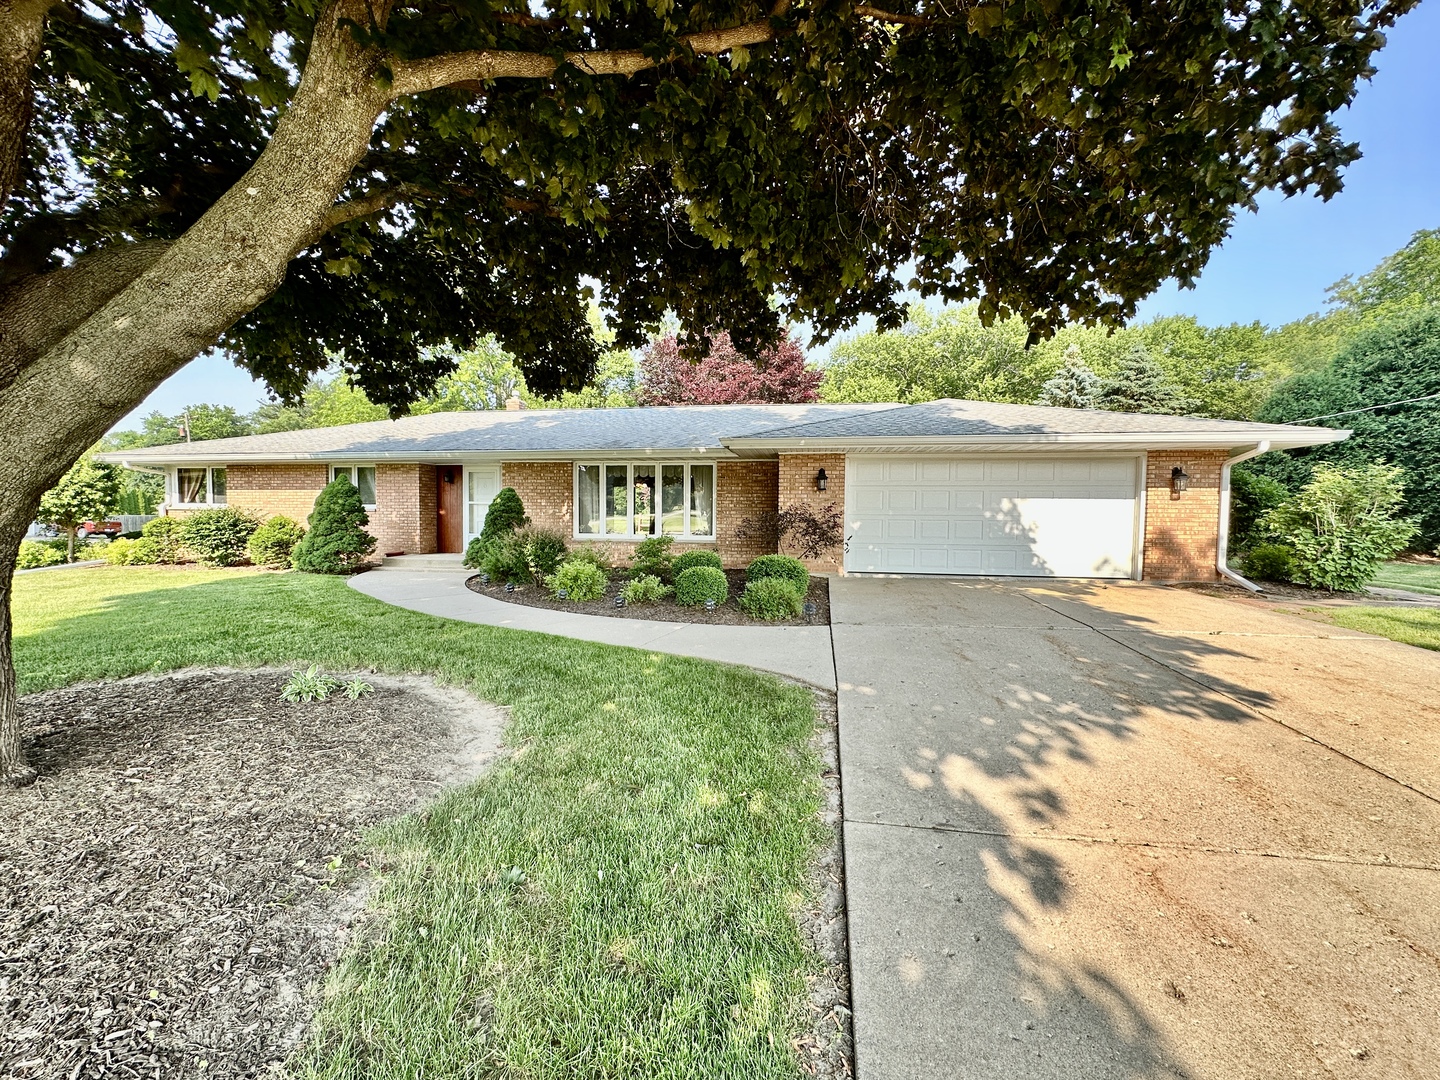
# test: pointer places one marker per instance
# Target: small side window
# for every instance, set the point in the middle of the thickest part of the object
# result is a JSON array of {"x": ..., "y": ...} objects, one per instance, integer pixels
[{"x": 217, "y": 486}]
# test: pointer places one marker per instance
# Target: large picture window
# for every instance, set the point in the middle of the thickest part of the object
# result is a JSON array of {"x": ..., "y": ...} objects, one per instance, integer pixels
[
  {"x": 362, "y": 476},
  {"x": 199, "y": 487},
  {"x": 645, "y": 499}
]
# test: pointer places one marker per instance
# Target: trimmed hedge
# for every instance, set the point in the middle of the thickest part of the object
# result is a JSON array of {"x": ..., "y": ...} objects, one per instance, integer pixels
[
  {"x": 701, "y": 583},
  {"x": 218, "y": 537},
  {"x": 273, "y": 544},
  {"x": 159, "y": 542},
  {"x": 686, "y": 560},
  {"x": 771, "y": 598},
  {"x": 37, "y": 553},
  {"x": 1270, "y": 562},
  {"x": 780, "y": 566}
]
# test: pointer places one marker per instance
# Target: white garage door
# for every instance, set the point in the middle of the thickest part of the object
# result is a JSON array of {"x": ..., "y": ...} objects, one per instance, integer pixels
[{"x": 1035, "y": 517}]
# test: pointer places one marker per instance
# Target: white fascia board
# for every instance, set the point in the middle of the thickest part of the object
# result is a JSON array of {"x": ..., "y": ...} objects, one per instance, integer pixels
[{"x": 1118, "y": 440}]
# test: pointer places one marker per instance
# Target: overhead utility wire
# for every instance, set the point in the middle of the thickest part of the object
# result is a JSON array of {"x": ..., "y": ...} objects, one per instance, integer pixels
[{"x": 1367, "y": 408}]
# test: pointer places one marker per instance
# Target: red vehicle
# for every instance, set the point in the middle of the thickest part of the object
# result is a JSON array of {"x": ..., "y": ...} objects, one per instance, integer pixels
[{"x": 108, "y": 529}]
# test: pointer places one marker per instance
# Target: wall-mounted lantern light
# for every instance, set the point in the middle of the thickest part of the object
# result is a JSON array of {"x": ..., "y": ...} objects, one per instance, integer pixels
[
  {"x": 1179, "y": 480},
  {"x": 821, "y": 480},
  {"x": 449, "y": 476}
]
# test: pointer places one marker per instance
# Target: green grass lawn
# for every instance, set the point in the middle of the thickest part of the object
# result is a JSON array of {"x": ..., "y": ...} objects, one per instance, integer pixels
[
  {"x": 664, "y": 813},
  {"x": 1413, "y": 626},
  {"x": 1412, "y": 576}
]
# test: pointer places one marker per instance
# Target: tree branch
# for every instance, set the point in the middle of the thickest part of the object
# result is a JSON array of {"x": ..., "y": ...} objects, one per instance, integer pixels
[
  {"x": 417, "y": 76},
  {"x": 865, "y": 11}
]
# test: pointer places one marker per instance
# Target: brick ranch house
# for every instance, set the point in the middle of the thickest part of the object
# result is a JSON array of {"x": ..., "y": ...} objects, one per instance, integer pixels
[{"x": 947, "y": 487}]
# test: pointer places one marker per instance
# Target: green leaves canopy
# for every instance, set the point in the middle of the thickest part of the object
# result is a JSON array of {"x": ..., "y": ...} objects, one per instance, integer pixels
[{"x": 1056, "y": 159}]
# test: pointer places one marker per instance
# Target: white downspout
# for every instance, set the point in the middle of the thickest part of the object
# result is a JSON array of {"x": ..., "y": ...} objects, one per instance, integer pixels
[{"x": 1224, "y": 539}]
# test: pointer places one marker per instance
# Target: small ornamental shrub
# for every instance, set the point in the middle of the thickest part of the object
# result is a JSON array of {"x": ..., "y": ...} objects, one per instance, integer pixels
[
  {"x": 159, "y": 542},
  {"x": 686, "y": 560},
  {"x": 1270, "y": 562},
  {"x": 580, "y": 580},
  {"x": 771, "y": 598},
  {"x": 35, "y": 554},
  {"x": 273, "y": 544},
  {"x": 645, "y": 589},
  {"x": 505, "y": 514},
  {"x": 311, "y": 685},
  {"x": 780, "y": 566},
  {"x": 474, "y": 553},
  {"x": 543, "y": 548},
  {"x": 503, "y": 558},
  {"x": 1342, "y": 525},
  {"x": 597, "y": 555},
  {"x": 218, "y": 537},
  {"x": 701, "y": 583},
  {"x": 120, "y": 551},
  {"x": 336, "y": 542},
  {"x": 652, "y": 557}
]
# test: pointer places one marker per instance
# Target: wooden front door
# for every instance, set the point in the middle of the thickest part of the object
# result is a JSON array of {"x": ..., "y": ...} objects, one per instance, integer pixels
[{"x": 449, "y": 506}]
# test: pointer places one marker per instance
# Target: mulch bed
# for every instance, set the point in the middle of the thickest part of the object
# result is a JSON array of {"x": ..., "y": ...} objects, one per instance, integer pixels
[
  {"x": 726, "y": 614},
  {"x": 1273, "y": 590},
  {"x": 190, "y": 862}
]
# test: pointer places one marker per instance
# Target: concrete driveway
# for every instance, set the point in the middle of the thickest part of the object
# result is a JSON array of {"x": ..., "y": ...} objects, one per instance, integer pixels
[{"x": 1130, "y": 831}]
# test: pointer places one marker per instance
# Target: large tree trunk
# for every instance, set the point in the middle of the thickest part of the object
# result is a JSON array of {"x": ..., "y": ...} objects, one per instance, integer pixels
[
  {"x": 12, "y": 759},
  {"x": 61, "y": 401}
]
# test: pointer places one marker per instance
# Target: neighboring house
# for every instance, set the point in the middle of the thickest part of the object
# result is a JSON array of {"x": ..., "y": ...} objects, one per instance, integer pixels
[{"x": 947, "y": 487}]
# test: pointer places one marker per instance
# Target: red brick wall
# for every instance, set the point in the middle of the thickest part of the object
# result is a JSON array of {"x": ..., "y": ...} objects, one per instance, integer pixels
[
  {"x": 743, "y": 489},
  {"x": 797, "y": 486},
  {"x": 1182, "y": 533},
  {"x": 405, "y": 513},
  {"x": 268, "y": 490}
]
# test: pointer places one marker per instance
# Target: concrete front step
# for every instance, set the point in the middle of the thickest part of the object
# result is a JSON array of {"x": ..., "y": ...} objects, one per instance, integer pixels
[{"x": 446, "y": 562}]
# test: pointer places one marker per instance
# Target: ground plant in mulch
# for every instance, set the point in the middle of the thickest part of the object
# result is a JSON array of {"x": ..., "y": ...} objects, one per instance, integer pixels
[
  {"x": 779, "y": 566},
  {"x": 313, "y": 684},
  {"x": 1270, "y": 562},
  {"x": 579, "y": 581},
  {"x": 190, "y": 864},
  {"x": 652, "y": 557},
  {"x": 646, "y": 589},
  {"x": 772, "y": 598},
  {"x": 700, "y": 584},
  {"x": 685, "y": 560},
  {"x": 811, "y": 532}
]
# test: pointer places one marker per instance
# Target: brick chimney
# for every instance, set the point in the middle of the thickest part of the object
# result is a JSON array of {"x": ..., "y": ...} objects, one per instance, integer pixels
[{"x": 513, "y": 402}]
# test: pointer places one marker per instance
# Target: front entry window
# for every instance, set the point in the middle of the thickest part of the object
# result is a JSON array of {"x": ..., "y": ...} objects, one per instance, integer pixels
[{"x": 362, "y": 476}]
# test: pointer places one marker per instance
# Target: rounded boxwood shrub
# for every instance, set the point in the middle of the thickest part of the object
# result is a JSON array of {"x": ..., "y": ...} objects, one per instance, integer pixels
[
  {"x": 771, "y": 598},
  {"x": 581, "y": 580},
  {"x": 505, "y": 514},
  {"x": 159, "y": 542},
  {"x": 36, "y": 553},
  {"x": 780, "y": 566},
  {"x": 1270, "y": 562},
  {"x": 218, "y": 537},
  {"x": 645, "y": 589},
  {"x": 685, "y": 561},
  {"x": 273, "y": 543},
  {"x": 337, "y": 542},
  {"x": 701, "y": 583}
]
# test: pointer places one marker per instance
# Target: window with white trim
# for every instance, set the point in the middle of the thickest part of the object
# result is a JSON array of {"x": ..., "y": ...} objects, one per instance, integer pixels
[
  {"x": 636, "y": 499},
  {"x": 362, "y": 476},
  {"x": 197, "y": 486}
]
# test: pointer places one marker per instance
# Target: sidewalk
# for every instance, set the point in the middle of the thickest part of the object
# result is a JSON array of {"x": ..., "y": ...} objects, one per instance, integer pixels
[{"x": 799, "y": 652}]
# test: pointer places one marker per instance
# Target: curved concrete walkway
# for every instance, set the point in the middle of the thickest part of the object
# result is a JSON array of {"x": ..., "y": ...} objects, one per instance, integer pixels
[{"x": 800, "y": 652}]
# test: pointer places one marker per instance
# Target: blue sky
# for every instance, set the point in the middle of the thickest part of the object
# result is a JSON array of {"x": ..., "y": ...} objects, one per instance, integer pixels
[{"x": 1277, "y": 262}]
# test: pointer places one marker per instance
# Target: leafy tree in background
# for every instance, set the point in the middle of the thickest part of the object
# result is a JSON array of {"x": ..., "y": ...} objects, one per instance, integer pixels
[
  {"x": 88, "y": 492},
  {"x": 1074, "y": 386},
  {"x": 1410, "y": 278},
  {"x": 779, "y": 376},
  {"x": 383, "y": 183},
  {"x": 1140, "y": 385},
  {"x": 1394, "y": 359}
]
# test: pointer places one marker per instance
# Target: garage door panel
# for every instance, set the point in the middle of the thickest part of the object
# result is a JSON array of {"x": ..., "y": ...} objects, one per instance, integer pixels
[{"x": 1062, "y": 517}]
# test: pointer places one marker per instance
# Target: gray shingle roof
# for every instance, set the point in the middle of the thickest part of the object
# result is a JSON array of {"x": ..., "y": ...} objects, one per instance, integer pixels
[
  {"x": 953, "y": 418},
  {"x": 688, "y": 428},
  {"x": 714, "y": 428}
]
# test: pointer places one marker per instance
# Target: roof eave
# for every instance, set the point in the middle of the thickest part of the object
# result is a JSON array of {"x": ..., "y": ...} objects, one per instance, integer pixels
[{"x": 1134, "y": 440}]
